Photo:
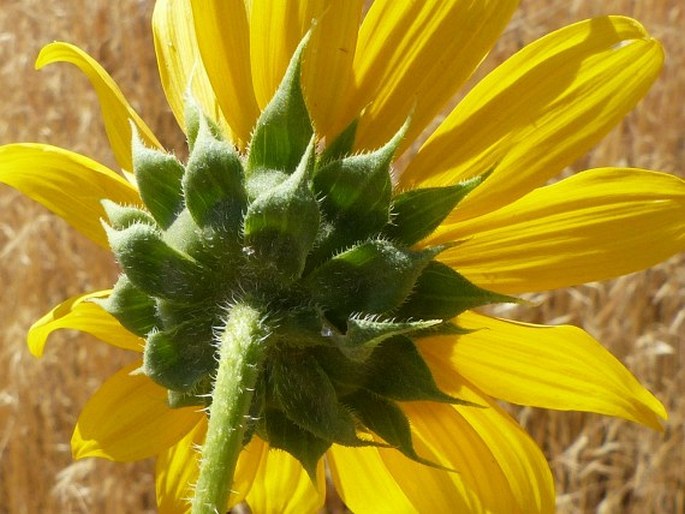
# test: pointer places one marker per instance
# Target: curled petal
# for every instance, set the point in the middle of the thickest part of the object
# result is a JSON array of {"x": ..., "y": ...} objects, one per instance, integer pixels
[
  {"x": 78, "y": 313},
  {"x": 116, "y": 111},
  {"x": 129, "y": 419},
  {"x": 595, "y": 225},
  {"x": 560, "y": 367},
  {"x": 69, "y": 184}
]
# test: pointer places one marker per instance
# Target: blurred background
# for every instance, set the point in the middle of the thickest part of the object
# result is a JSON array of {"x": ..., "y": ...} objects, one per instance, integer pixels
[{"x": 601, "y": 465}]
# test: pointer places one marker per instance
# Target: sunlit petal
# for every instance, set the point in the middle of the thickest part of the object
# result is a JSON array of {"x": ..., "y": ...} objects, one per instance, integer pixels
[
  {"x": 276, "y": 29},
  {"x": 539, "y": 111},
  {"x": 511, "y": 463},
  {"x": 413, "y": 56},
  {"x": 560, "y": 367},
  {"x": 78, "y": 313},
  {"x": 178, "y": 469},
  {"x": 364, "y": 483},
  {"x": 327, "y": 64},
  {"x": 129, "y": 418},
  {"x": 180, "y": 65},
  {"x": 282, "y": 486},
  {"x": 69, "y": 184},
  {"x": 226, "y": 57},
  {"x": 117, "y": 113},
  {"x": 595, "y": 225}
]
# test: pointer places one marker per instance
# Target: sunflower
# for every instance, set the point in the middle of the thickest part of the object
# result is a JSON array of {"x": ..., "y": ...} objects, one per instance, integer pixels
[{"x": 286, "y": 229}]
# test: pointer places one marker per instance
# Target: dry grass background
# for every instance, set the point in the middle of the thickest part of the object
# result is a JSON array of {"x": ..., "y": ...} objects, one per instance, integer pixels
[{"x": 601, "y": 465}]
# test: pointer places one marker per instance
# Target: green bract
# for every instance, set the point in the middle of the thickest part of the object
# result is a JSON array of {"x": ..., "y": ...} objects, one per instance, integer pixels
[{"x": 313, "y": 239}]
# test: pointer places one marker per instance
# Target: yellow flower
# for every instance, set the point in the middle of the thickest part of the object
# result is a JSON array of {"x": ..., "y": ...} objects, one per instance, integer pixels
[{"x": 527, "y": 120}]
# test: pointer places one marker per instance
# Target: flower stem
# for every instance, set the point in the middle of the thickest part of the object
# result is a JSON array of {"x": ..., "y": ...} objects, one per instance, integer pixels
[{"x": 240, "y": 356}]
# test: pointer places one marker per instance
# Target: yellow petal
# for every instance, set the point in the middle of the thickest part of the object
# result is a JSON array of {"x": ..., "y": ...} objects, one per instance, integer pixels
[
  {"x": 327, "y": 64},
  {"x": 116, "y": 111},
  {"x": 276, "y": 29},
  {"x": 282, "y": 486},
  {"x": 178, "y": 59},
  {"x": 442, "y": 435},
  {"x": 413, "y": 57},
  {"x": 513, "y": 475},
  {"x": 69, "y": 184},
  {"x": 178, "y": 469},
  {"x": 129, "y": 418},
  {"x": 595, "y": 225},
  {"x": 78, "y": 313},
  {"x": 539, "y": 111},
  {"x": 560, "y": 367},
  {"x": 434, "y": 490},
  {"x": 364, "y": 483},
  {"x": 226, "y": 57},
  {"x": 497, "y": 466}
]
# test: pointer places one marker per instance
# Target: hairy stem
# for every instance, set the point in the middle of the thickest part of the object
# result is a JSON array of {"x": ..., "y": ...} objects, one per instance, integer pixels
[{"x": 240, "y": 356}]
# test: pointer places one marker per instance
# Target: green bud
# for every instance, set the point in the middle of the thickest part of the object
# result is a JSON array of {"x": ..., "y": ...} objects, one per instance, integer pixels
[
  {"x": 123, "y": 216},
  {"x": 213, "y": 183},
  {"x": 158, "y": 175},
  {"x": 373, "y": 277},
  {"x": 281, "y": 224},
  {"x": 175, "y": 360},
  {"x": 155, "y": 267},
  {"x": 131, "y": 307}
]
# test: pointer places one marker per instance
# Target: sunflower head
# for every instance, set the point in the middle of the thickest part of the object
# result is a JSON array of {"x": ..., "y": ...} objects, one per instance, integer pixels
[{"x": 310, "y": 235}]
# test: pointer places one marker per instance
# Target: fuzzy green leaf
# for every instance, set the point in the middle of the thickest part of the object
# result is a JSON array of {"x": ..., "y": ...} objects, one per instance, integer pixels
[
  {"x": 158, "y": 175},
  {"x": 283, "y": 130},
  {"x": 155, "y": 267},
  {"x": 363, "y": 335},
  {"x": 123, "y": 216},
  {"x": 194, "y": 117},
  {"x": 298, "y": 442},
  {"x": 397, "y": 371},
  {"x": 384, "y": 418},
  {"x": 443, "y": 293},
  {"x": 134, "y": 309},
  {"x": 373, "y": 277},
  {"x": 213, "y": 183},
  {"x": 282, "y": 223},
  {"x": 417, "y": 213},
  {"x": 346, "y": 375},
  {"x": 175, "y": 360},
  {"x": 355, "y": 196},
  {"x": 342, "y": 145},
  {"x": 306, "y": 395}
]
